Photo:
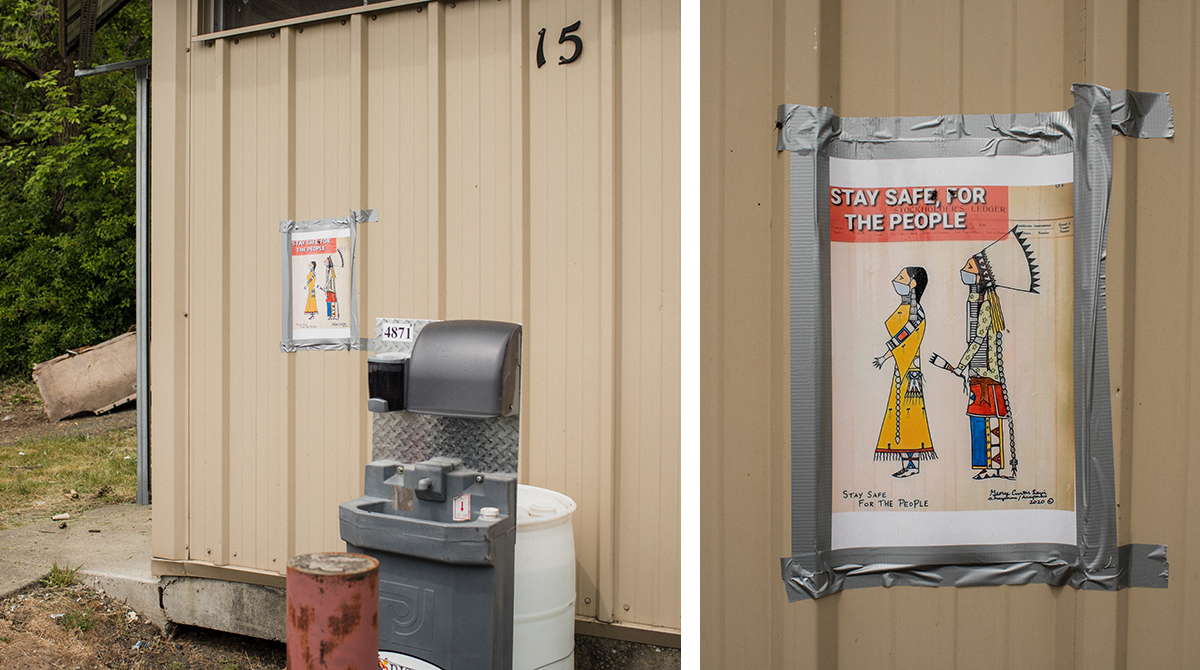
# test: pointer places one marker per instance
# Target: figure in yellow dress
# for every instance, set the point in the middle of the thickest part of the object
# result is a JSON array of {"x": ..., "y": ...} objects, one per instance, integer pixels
[
  {"x": 904, "y": 435},
  {"x": 310, "y": 307}
]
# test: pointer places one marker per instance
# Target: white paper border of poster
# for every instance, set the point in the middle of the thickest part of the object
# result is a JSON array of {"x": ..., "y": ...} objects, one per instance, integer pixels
[
  {"x": 813, "y": 135},
  {"x": 346, "y": 224}
]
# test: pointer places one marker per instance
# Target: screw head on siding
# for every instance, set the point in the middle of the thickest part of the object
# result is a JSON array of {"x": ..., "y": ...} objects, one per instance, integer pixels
[
  {"x": 627, "y": 608},
  {"x": 587, "y": 601},
  {"x": 420, "y": 9}
]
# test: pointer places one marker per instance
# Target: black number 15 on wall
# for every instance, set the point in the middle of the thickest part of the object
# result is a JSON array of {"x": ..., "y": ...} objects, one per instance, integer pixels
[{"x": 565, "y": 37}]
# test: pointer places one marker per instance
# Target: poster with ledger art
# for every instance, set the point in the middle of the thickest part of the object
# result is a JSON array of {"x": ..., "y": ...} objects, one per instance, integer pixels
[
  {"x": 320, "y": 299},
  {"x": 318, "y": 263},
  {"x": 950, "y": 400},
  {"x": 951, "y": 286}
]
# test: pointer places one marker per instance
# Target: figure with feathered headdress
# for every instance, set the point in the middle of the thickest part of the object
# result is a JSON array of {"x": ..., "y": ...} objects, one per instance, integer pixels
[
  {"x": 1007, "y": 263},
  {"x": 331, "y": 304},
  {"x": 330, "y": 285}
]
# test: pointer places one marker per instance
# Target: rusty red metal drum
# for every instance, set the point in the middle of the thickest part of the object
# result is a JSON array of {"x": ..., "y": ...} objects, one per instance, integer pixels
[{"x": 333, "y": 612}]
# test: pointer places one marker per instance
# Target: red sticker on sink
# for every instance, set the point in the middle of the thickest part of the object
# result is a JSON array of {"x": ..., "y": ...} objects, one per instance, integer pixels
[{"x": 462, "y": 507}]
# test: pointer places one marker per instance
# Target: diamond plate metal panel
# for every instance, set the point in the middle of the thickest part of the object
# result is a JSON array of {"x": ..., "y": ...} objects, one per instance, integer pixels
[{"x": 486, "y": 445}]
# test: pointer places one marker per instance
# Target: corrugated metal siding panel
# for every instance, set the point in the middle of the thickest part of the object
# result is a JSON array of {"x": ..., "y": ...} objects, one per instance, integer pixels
[
  {"x": 168, "y": 255},
  {"x": 500, "y": 193},
  {"x": 1162, "y": 337},
  {"x": 208, "y": 310},
  {"x": 572, "y": 298},
  {"x": 483, "y": 239},
  {"x": 258, "y": 392},
  {"x": 648, "y": 520},
  {"x": 883, "y": 59},
  {"x": 401, "y": 94},
  {"x": 327, "y": 388},
  {"x": 740, "y": 280}
]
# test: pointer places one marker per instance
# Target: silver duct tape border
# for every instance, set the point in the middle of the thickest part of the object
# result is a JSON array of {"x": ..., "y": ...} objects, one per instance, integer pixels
[
  {"x": 287, "y": 343},
  {"x": 813, "y": 135},
  {"x": 486, "y": 445},
  {"x": 801, "y": 129},
  {"x": 811, "y": 352},
  {"x": 1140, "y": 565},
  {"x": 1095, "y": 500}
]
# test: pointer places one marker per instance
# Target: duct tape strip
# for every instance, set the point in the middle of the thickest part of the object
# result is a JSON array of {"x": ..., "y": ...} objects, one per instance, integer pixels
[
  {"x": 1036, "y": 134},
  {"x": 1095, "y": 488},
  {"x": 811, "y": 377},
  {"x": 288, "y": 342},
  {"x": 1140, "y": 565},
  {"x": 1139, "y": 114},
  {"x": 813, "y": 135}
]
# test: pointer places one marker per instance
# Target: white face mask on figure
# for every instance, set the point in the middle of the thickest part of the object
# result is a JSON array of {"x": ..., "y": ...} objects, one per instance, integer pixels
[
  {"x": 901, "y": 288},
  {"x": 968, "y": 278}
]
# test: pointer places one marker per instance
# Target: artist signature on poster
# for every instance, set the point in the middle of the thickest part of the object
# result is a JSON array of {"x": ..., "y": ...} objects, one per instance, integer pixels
[
  {"x": 1034, "y": 496},
  {"x": 880, "y": 500}
]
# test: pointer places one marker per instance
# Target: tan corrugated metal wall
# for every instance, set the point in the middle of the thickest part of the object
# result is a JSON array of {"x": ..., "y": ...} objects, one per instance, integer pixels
[
  {"x": 874, "y": 58},
  {"x": 546, "y": 196}
]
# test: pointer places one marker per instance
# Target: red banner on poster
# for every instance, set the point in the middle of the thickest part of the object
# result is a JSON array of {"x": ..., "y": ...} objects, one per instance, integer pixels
[
  {"x": 920, "y": 213},
  {"x": 324, "y": 245}
]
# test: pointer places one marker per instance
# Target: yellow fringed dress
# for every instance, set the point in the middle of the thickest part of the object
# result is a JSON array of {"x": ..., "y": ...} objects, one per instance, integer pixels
[
  {"x": 310, "y": 307},
  {"x": 905, "y": 428}
]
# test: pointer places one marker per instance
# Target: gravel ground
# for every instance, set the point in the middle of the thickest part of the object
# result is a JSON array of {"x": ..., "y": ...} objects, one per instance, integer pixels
[
  {"x": 71, "y": 627},
  {"x": 75, "y": 627}
]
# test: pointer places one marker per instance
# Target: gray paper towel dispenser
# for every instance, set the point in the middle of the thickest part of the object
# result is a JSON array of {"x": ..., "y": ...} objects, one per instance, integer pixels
[{"x": 468, "y": 369}]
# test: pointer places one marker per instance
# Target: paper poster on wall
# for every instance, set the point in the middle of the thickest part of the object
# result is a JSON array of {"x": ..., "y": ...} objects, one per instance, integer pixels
[
  {"x": 317, "y": 261},
  {"x": 951, "y": 287},
  {"x": 950, "y": 404},
  {"x": 320, "y": 302}
]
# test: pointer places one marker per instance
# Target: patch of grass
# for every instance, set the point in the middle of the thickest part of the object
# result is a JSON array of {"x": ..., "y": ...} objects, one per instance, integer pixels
[
  {"x": 58, "y": 577},
  {"x": 15, "y": 391},
  {"x": 230, "y": 664},
  {"x": 81, "y": 621},
  {"x": 37, "y": 476}
]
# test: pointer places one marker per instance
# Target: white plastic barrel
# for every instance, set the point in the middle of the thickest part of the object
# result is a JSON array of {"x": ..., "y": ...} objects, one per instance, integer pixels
[{"x": 544, "y": 581}]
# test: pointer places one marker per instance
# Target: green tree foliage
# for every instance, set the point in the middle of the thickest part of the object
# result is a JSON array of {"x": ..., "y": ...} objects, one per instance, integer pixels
[{"x": 67, "y": 185}]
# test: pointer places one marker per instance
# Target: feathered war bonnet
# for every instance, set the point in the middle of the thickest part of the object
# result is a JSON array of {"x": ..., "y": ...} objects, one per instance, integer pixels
[{"x": 1008, "y": 263}]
